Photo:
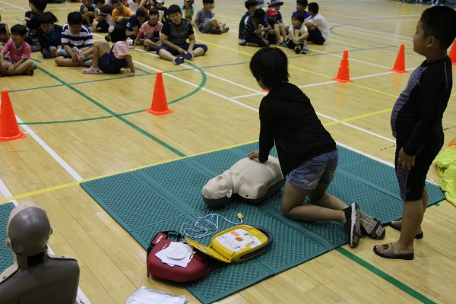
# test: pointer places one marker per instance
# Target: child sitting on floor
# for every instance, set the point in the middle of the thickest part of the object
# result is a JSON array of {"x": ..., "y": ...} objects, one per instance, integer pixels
[
  {"x": 49, "y": 35},
  {"x": 206, "y": 21},
  {"x": 109, "y": 60},
  {"x": 151, "y": 31},
  {"x": 19, "y": 54},
  {"x": 4, "y": 35},
  {"x": 298, "y": 35}
]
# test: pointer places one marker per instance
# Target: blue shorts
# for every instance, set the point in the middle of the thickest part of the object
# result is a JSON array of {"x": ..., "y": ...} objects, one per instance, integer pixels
[
  {"x": 182, "y": 46},
  {"x": 317, "y": 170}
]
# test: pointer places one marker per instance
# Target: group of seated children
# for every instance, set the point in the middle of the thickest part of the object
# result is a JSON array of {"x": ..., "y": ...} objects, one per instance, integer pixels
[{"x": 261, "y": 28}]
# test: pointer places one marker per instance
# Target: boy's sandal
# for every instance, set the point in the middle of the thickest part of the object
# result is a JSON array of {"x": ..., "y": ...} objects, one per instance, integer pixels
[
  {"x": 397, "y": 225},
  {"x": 91, "y": 70},
  {"x": 226, "y": 29},
  {"x": 388, "y": 253}
]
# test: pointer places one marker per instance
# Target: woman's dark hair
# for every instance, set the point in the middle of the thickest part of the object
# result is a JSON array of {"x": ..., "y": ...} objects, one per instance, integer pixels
[
  {"x": 172, "y": 9},
  {"x": 19, "y": 29},
  {"x": 118, "y": 34},
  {"x": 440, "y": 22},
  {"x": 153, "y": 11},
  {"x": 47, "y": 17},
  {"x": 74, "y": 18},
  {"x": 270, "y": 65},
  {"x": 313, "y": 6}
]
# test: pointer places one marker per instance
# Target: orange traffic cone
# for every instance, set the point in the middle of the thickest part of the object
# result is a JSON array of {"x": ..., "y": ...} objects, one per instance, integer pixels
[
  {"x": 399, "y": 65},
  {"x": 344, "y": 74},
  {"x": 9, "y": 129},
  {"x": 453, "y": 53},
  {"x": 159, "y": 104}
]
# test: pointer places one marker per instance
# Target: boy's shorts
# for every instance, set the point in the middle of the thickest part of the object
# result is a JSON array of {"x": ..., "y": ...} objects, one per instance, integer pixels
[
  {"x": 315, "y": 36},
  {"x": 412, "y": 183},
  {"x": 255, "y": 39},
  {"x": 109, "y": 64},
  {"x": 317, "y": 170},
  {"x": 182, "y": 46},
  {"x": 102, "y": 26},
  {"x": 206, "y": 26}
]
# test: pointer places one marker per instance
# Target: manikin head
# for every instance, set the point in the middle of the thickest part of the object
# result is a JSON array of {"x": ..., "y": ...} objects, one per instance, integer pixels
[
  {"x": 218, "y": 190},
  {"x": 28, "y": 230}
]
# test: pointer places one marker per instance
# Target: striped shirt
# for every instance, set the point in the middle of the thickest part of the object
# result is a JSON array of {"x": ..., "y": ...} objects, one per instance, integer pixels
[{"x": 80, "y": 40}]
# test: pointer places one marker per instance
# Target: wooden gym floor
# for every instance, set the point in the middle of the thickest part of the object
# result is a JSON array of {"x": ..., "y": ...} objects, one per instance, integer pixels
[{"x": 81, "y": 127}]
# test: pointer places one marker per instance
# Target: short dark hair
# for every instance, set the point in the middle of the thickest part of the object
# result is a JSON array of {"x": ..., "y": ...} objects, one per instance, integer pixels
[
  {"x": 250, "y": 3},
  {"x": 47, "y": 17},
  {"x": 115, "y": 1},
  {"x": 39, "y": 4},
  {"x": 141, "y": 12},
  {"x": 2, "y": 28},
  {"x": 313, "y": 6},
  {"x": 302, "y": 2},
  {"x": 74, "y": 18},
  {"x": 208, "y": 1},
  {"x": 440, "y": 22},
  {"x": 299, "y": 17},
  {"x": 99, "y": 1},
  {"x": 19, "y": 29},
  {"x": 258, "y": 14},
  {"x": 270, "y": 65},
  {"x": 153, "y": 11},
  {"x": 172, "y": 9},
  {"x": 118, "y": 34}
]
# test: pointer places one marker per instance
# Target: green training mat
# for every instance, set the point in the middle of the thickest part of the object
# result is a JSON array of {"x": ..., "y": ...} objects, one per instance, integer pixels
[
  {"x": 6, "y": 254},
  {"x": 165, "y": 196}
]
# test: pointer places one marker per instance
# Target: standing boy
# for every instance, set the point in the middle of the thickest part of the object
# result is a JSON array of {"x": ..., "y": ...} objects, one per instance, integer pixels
[
  {"x": 416, "y": 122},
  {"x": 206, "y": 21},
  {"x": 317, "y": 25},
  {"x": 174, "y": 46}
]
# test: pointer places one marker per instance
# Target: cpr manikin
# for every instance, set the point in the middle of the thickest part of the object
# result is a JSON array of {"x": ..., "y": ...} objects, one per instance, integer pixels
[
  {"x": 251, "y": 180},
  {"x": 36, "y": 276}
]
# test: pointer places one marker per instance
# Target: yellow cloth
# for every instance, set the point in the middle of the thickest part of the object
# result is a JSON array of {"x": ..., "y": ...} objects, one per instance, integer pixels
[{"x": 446, "y": 165}]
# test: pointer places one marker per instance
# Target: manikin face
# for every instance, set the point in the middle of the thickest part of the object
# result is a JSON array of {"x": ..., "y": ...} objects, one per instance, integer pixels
[{"x": 219, "y": 187}]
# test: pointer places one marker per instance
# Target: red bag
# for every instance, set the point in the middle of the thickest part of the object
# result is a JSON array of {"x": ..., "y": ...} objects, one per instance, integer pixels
[{"x": 197, "y": 268}]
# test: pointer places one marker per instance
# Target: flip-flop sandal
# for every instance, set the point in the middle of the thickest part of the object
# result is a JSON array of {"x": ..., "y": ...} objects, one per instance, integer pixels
[
  {"x": 388, "y": 252},
  {"x": 372, "y": 226},
  {"x": 398, "y": 226}
]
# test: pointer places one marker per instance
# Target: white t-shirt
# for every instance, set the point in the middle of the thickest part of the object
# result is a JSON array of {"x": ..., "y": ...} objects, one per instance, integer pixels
[
  {"x": 133, "y": 5},
  {"x": 303, "y": 27},
  {"x": 320, "y": 22}
]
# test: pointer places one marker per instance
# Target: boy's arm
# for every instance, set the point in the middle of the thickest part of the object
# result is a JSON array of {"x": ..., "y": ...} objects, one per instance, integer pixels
[
  {"x": 164, "y": 40},
  {"x": 266, "y": 141},
  {"x": 130, "y": 65}
]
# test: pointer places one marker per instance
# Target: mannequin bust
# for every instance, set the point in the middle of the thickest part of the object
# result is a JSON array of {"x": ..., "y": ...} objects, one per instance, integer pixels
[
  {"x": 252, "y": 181},
  {"x": 36, "y": 276}
]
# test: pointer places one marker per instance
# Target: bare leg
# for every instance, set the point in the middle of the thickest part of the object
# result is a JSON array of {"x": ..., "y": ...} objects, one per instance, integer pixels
[
  {"x": 198, "y": 52},
  {"x": 277, "y": 32},
  {"x": 323, "y": 207},
  {"x": 99, "y": 49},
  {"x": 282, "y": 32},
  {"x": 215, "y": 23},
  {"x": 23, "y": 66},
  {"x": 152, "y": 45},
  {"x": 166, "y": 55}
]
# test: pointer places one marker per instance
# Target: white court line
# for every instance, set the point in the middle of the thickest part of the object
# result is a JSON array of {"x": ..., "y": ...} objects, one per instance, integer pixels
[
  {"x": 395, "y": 16},
  {"x": 351, "y": 59},
  {"x": 376, "y": 32},
  {"x": 51, "y": 152},
  {"x": 378, "y": 36},
  {"x": 21, "y": 8},
  {"x": 81, "y": 297}
]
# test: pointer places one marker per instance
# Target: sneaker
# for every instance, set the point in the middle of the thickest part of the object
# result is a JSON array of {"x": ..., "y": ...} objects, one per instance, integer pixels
[
  {"x": 46, "y": 54},
  {"x": 178, "y": 60},
  {"x": 130, "y": 41},
  {"x": 91, "y": 70},
  {"x": 297, "y": 49},
  {"x": 62, "y": 52},
  {"x": 29, "y": 71},
  {"x": 352, "y": 225},
  {"x": 242, "y": 42},
  {"x": 87, "y": 63},
  {"x": 108, "y": 38},
  {"x": 372, "y": 226},
  {"x": 187, "y": 55},
  {"x": 78, "y": 53},
  {"x": 225, "y": 29},
  {"x": 305, "y": 49}
]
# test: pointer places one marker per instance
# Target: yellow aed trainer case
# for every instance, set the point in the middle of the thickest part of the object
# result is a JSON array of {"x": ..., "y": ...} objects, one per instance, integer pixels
[{"x": 236, "y": 244}]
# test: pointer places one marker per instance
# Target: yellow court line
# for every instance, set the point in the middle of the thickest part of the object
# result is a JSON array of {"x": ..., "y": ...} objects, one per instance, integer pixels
[
  {"x": 63, "y": 186},
  {"x": 356, "y": 117}
]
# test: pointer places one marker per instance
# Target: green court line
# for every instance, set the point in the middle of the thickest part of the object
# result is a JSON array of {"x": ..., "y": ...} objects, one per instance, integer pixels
[
  {"x": 385, "y": 276},
  {"x": 159, "y": 141}
]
